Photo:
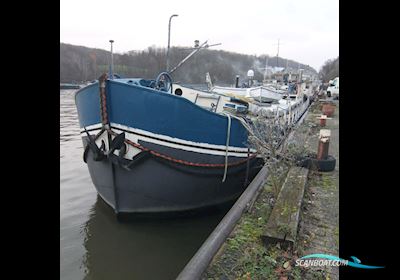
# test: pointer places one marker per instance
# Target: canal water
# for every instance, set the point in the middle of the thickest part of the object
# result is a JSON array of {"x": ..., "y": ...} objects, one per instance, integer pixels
[{"x": 95, "y": 245}]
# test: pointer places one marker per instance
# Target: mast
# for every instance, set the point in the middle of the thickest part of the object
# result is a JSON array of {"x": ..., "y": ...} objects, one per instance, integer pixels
[{"x": 266, "y": 67}]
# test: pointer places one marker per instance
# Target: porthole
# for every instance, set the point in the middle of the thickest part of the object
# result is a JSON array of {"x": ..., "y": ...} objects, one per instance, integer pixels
[{"x": 178, "y": 92}]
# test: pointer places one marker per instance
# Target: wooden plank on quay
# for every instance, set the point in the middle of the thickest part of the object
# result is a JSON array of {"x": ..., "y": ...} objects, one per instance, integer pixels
[{"x": 284, "y": 219}]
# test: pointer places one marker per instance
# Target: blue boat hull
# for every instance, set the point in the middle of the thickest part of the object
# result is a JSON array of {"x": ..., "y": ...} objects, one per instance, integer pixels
[
  {"x": 186, "y": 144},
  {"x": 154, "y": 186}
]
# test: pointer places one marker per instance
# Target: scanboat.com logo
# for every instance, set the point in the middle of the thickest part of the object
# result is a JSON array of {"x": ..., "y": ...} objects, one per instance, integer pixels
[{"x": 332, "y": 261}]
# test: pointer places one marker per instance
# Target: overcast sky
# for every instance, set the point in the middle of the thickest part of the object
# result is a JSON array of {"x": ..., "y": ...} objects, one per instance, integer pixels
[{"x": 308, "y": 29}]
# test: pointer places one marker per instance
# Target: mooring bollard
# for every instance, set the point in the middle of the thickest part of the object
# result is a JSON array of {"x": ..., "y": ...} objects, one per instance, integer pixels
[
  {"x": 322, "y": 120},
  {"x": 328, "y": 109},
  {"x": 323, "y": 144}
]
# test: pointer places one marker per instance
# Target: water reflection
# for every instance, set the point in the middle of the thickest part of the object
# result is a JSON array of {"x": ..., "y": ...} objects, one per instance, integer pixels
[{"x": 142, "y": 248}]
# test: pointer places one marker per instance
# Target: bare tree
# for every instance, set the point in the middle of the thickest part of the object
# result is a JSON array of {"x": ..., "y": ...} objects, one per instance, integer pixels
[{"x": 280, "y": 150}]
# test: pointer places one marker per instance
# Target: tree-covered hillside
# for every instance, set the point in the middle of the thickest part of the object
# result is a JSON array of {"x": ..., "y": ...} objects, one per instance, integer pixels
[
  {"x": 329, "y": 70},
  {"x": 79, "y": 64}
]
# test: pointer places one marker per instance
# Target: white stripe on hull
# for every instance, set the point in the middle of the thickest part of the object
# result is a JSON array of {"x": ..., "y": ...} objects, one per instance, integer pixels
[
  {"x": 93, "y": 126},
  {"x": 202, "y": 148}
]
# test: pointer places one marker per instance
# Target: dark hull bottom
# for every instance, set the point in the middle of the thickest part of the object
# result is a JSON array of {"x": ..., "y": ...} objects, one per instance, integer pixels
[{"x": 156, "y": 186}]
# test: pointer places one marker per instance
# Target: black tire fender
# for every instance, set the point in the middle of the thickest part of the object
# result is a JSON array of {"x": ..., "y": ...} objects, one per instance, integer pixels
[{"x": 324, "y": 165}]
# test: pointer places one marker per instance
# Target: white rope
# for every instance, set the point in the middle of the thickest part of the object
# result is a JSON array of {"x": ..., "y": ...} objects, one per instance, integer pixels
[
  {"x": 245, "y": 125},
  {"x": 228, "y": 136}
]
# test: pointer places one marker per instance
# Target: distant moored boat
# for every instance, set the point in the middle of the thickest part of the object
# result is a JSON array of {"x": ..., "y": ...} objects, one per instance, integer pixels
[{"x": 69, "y": 86}]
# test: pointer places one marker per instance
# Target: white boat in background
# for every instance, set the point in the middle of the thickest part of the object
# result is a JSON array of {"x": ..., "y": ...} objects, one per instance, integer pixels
[
  {"x": 260, "y": 93},
  {"x": 269, "y": 101},
  {"x": 236, "y": 102}
]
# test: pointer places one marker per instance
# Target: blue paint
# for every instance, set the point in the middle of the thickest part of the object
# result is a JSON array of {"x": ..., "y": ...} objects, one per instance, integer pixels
[
  {"x": 87, "y": 102},
  {"x": 132, "y": 103}
]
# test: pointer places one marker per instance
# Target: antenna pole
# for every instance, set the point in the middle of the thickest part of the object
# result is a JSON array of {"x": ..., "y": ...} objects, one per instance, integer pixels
[
  {"x": 277, "y": 55},
  {"x": 112, "y": 61}
]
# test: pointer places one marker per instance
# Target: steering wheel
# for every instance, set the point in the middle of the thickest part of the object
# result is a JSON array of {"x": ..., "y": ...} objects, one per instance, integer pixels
[{"x": 164, "y": 82}]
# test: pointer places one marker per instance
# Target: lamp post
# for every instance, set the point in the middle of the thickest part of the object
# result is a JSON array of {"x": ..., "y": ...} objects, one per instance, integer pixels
[{"x": 169, "y": 33}]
